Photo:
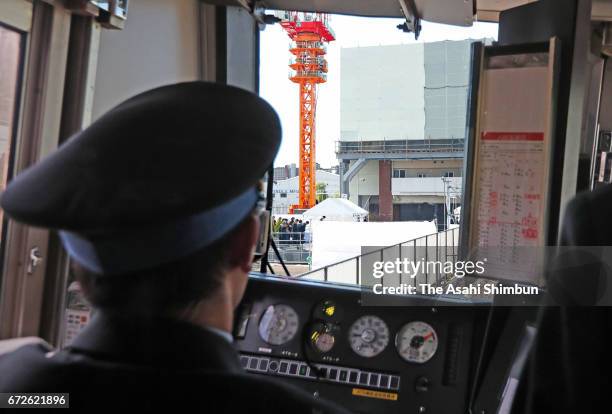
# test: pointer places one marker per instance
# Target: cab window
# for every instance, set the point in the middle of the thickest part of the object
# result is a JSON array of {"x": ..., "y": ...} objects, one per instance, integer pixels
[{"x": 390, "y": 116}]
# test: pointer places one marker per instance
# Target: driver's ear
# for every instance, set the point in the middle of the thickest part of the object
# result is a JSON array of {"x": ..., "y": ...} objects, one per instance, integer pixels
[{"x": 242, "y": 244}]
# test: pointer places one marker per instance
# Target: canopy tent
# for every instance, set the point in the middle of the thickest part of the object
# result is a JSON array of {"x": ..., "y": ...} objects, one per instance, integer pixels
[{"x": 336, "y": 209}]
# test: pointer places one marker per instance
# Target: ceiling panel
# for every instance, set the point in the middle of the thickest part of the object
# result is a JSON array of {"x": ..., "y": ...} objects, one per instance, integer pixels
[
  {"x": 602, "y": 10},
  {"x": 488, "y": 10},
  {"x": 457, "y": 12},
  {"x": 378, "y": 8}
]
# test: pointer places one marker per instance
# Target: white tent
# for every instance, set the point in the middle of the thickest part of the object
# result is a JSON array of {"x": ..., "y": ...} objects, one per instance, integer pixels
[{"x": 336, "y": 209}]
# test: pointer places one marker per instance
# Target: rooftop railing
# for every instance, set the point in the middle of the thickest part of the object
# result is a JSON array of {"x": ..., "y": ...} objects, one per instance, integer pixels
[
  {"x": 308, "y": 45},
  {"x": 401, "y": 146},
  {"x": 299, "y": 74}
]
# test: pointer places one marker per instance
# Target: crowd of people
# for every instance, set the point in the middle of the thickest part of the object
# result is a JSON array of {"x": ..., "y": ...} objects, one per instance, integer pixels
[{"x": 292, "y": 231}]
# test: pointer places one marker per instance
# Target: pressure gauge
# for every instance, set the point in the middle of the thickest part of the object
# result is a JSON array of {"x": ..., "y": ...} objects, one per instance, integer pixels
[
  {"x": 279, "y": 324},
  {"x": 369, "y": 336},
  {"x": 416, "y": 342}
]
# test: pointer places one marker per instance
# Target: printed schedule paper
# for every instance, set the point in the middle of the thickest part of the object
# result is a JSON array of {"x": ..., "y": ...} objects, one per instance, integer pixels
[{"x": 511, "y": 166}]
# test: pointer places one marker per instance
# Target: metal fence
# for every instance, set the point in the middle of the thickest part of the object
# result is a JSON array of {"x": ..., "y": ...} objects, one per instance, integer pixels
[
  {"x": 294, "y": 247},
  {"x": 438, "y": 247}
]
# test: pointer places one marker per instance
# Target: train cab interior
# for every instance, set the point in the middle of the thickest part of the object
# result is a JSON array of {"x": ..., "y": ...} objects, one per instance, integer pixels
[{"x": 512, "y": 95}]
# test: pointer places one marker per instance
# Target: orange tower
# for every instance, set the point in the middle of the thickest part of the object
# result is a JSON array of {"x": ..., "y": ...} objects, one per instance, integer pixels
[{"x": 309, "y": 33}]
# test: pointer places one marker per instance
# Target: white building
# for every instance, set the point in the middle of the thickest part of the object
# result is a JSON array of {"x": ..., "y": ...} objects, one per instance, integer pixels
[
  {"x": 402, "y": 128},
  {"x": 286, "y": 192}
]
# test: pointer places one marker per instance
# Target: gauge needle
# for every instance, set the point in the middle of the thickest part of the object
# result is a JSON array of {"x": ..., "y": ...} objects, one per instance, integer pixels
[{"x": 429, "y": 335}]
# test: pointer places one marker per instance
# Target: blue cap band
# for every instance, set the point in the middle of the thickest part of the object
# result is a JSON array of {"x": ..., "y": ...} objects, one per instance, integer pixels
[{"x": 148, "y": 247}]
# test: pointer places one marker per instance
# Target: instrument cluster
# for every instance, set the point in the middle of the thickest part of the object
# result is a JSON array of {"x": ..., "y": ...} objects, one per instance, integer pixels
[
  {"x": 412, "y": 355},
  {"x": 368, "y": 335}
]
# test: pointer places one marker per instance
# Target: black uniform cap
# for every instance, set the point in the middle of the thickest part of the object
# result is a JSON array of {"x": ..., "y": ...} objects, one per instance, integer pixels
[{"x": 162, "y": 156}]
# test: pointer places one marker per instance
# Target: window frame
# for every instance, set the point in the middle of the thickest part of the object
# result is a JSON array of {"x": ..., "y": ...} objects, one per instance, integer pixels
[{"x": 46, "y": 28}]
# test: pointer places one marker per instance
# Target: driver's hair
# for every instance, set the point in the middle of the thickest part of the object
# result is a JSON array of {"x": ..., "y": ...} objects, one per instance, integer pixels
[{"x": 169, "y": 287}]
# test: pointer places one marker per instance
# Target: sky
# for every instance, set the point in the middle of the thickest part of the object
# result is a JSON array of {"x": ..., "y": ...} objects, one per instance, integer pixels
[{"x": 350, "y": 31}]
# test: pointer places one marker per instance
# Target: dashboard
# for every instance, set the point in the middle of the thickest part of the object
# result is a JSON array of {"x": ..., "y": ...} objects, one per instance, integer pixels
[{"x": 417, "y": 356}]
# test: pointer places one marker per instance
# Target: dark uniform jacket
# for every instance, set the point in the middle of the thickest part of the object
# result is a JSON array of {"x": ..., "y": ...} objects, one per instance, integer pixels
[
  {"x": 120, "y": 363},
  {"x": 571, "y": 369}
]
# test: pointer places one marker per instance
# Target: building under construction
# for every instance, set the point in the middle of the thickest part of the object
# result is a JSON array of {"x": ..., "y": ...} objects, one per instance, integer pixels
[{"x": 402, "y": 135}]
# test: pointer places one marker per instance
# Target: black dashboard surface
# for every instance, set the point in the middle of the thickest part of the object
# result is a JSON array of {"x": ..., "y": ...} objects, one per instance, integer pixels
[{"x": 301, "y": 332}]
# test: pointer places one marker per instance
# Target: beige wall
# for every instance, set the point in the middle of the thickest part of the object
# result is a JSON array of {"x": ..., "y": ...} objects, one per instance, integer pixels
[
  {"x": 159, "y": 45},
  {"x": 365, "y": 182},
  {"x": 429, "y": 167},
  {"x": 416, "y": 199}
]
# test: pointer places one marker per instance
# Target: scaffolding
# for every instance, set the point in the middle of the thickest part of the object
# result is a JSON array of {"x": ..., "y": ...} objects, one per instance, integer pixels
[{"x": 309, "y": 33}]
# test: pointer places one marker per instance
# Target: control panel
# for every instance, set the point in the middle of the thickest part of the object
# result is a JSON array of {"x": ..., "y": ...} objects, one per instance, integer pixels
[
  {"x": 410, "y": 357},
  {"x": 331, "y": 373}
]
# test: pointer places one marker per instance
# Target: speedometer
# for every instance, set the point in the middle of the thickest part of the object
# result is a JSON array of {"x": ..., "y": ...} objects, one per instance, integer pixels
[
  {"x": 368, "y": 336},
  {"x": 278, "y": 325},
  {"x": 416, "y": 342}
]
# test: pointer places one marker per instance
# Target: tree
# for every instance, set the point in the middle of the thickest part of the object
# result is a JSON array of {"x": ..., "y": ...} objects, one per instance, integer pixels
[{"x": 321, "y": 191}]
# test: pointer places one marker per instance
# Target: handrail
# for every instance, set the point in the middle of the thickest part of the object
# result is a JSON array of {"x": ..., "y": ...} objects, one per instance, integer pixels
[{"x": 380, "y": 251}]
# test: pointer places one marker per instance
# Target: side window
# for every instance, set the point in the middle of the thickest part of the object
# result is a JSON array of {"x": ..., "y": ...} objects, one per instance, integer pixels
[
  {"x": 399, "y": 173},
  {"x": 10, "y": 70}
]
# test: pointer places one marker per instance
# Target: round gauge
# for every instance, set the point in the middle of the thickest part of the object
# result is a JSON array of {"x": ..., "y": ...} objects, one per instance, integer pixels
[
  {"x": 369, "y": 336},
  {"x": 278, "y": 325},
  {"x": 324, "y": 342},
  {"x": 322, "y": 337},
  {"x": 416, "y": 342}
]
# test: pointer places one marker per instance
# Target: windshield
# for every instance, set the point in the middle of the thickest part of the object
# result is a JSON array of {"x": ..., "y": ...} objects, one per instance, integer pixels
[{"x": 381, "y": 117}]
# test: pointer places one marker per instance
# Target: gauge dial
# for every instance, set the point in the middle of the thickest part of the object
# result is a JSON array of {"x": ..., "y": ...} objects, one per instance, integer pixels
[
  {"x": 322, "y": 337},
  {"x": 278, "y": 325},
  {"x": 324, "y": 342},
  {"x": 369, "y": 336},
  {"x": 416, "y": 342}
]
